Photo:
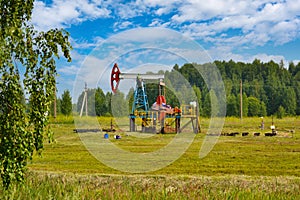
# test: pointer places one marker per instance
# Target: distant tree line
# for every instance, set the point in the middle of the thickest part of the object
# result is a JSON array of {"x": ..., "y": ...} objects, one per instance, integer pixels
[{"x": 267, "y": 89}]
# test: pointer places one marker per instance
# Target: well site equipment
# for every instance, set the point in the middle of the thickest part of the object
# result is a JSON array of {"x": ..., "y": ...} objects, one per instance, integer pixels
[{"x": 160, "y": 115}]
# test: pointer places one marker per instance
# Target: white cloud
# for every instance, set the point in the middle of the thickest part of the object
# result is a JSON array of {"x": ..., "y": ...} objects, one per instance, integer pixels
[
  {"x": 122, "y": 25},
  {"x": 286, "y": 31},
  {"x": 84, "y": 44},
  {"x": 129, "y": 10},
  {"x": 276, "y": 21},
  {"x": 194, "y": 10},
  {"x": 68, "y": 70},
  {"x": 226, "y": 53},
  {"x": 257, "y": 21},
  {"x": 63, "y": 13},
  {"x": 162, "y": 7},
  {"x": 266, "y": 58},
  {"x": 156, "y": 22}
]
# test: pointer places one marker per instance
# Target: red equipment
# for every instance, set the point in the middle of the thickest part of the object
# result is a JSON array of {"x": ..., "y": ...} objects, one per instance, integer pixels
[{"x": 115, "y": 78}]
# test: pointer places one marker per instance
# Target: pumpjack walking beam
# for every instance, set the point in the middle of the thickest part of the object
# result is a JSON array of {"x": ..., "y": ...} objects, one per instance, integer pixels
[{"x": 116, "y": 76}]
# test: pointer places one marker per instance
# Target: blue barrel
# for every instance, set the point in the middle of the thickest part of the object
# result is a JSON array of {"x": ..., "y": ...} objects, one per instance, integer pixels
[{"x": 106, "y": 136}]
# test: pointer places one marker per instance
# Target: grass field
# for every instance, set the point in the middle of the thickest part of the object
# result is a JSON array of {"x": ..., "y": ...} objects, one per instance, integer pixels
[{"x": 238, "y": 167}]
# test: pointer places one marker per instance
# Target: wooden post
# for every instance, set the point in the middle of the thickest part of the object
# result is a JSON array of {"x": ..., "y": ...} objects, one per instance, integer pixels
[{"x": 198, "y": 118}]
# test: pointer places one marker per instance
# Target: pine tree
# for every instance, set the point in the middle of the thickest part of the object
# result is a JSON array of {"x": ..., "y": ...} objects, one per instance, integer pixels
[{"x": 66, "y": 103}]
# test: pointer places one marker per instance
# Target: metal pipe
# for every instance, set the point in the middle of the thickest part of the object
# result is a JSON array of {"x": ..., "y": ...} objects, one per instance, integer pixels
[{"x": 142, "y": 76}]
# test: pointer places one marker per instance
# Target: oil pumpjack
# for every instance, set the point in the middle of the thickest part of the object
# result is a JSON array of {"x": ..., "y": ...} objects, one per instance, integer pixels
[{"x": 153, "y": 116}]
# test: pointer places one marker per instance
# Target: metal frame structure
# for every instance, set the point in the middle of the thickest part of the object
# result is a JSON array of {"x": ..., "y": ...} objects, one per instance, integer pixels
[{"x": 140, "y": 100}]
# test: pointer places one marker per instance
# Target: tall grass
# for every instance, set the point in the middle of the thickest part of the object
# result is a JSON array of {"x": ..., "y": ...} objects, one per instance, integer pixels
[{"x": 61, "y": 186}]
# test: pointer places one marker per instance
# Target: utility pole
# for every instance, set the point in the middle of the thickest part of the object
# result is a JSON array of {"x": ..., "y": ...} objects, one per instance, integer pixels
[
  {"x": 84, "y": 102},
  {"x": 241, "y": 99}
]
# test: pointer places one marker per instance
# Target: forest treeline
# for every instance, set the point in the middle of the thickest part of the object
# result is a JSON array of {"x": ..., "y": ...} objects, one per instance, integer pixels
[{"x": 268, "y": 88}]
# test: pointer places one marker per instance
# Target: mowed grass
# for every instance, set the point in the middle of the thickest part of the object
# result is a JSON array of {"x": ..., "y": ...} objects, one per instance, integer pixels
[
  {"x": 236, "y": 168},
  {"x": 250, "y": 155}
]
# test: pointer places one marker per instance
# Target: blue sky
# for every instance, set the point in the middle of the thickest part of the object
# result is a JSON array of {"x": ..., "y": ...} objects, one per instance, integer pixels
[{"x": 233, "y": 29}]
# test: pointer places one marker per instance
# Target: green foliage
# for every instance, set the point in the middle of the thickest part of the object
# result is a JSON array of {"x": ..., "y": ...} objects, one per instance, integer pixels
[
  {"x": 289, "y": 101},
  {"x": 172, "y": 98},
  {"x": 22, "y": 45},
  {"x": 130, "y": 99},
  {"x": 254, "y": 107},
  {"x": 108, "y": 97},
  {"x": 214, "y": 102},
  {"x": 206, "y": 106},
  {"x": 281, "y": 112},
  {"x": 66, "y": 103},
  {"x": 16, "y": 142},
  {"x": 245, "y": 104},
  {"x": 119, "y": 105},
  {"x": 210, "y": 99},
  {"x": 232, "y": 106},
  {"x": 100, "y": 103},
  {"x": 199, "y": 97},
  {"x": 152, "y": 92},
  {"x": 263, "y": 109}
]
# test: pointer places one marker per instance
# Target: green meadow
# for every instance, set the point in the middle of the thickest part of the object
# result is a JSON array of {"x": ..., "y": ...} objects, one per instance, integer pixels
[{"x": 238, "y": 167}]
